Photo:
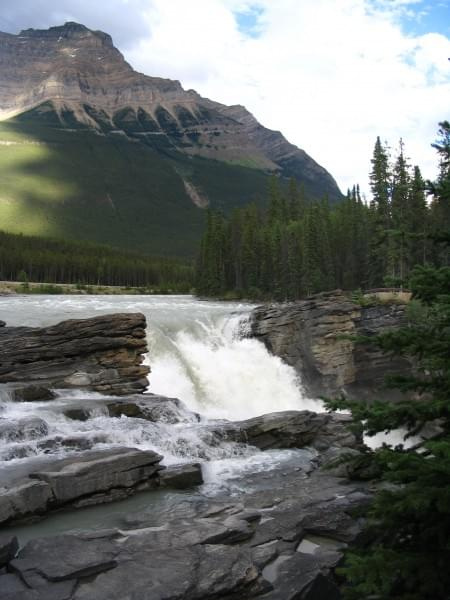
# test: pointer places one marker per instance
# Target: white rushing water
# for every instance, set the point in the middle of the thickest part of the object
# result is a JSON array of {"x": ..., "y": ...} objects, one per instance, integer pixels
[{"x": 197, "y": 353}]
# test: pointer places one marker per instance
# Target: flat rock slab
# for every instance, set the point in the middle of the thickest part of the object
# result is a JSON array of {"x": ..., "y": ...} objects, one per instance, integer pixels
[
  {"x": 93, "y": 477},
  {"x": 95, "y": 472},
  {"x": 256, "y": 546},
  {"x": 62, "y": 558}
]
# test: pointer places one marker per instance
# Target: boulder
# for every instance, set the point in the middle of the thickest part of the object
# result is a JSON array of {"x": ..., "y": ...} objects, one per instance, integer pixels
[
  {"x": 103, "y": 354},
  {"x": 93, "y": 477},
  {"x": 181, "y": 476},
  {"x": 24, "y": 499},
  {"x": 295, "y": 429},
  {"x": 32, "y": 393},
  {"x": 77, "y": 414}
]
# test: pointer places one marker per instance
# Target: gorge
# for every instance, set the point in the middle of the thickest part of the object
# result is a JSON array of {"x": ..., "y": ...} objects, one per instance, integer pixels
[{"x": 231, "y": 503}]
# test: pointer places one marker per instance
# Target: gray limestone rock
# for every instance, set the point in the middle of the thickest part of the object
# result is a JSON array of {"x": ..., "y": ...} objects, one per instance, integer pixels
[
  {"x": 317, "y": 337},
  {"x": 32, "y": 393},
  {"x": 30, "y": 497},
  {"x": 152, "y": 407},
  {"x": 64, "y": 557},
  {"x": 99, "y": 471},
  {"x": 8, "y": 548},
  {"x": 295, "y": 429},
  {"x": 181, "y": 476},
  {"x": 103, "y": 354}
]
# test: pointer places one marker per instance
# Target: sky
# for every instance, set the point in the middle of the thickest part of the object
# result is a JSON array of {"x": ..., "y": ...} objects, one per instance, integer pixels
[{"x": 331, "y": 75}]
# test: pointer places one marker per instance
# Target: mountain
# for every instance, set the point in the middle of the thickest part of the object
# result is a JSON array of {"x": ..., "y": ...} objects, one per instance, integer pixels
[{"x": 90, "y": 148}]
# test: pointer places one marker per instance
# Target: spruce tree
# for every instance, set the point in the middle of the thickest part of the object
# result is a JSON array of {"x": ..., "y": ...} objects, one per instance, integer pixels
[
  {"x": 406, "y": 554},
  {"x": 380, "y": 183},
  {"x": 399, "y": 217},
  {"x": 418, "y": 221}
]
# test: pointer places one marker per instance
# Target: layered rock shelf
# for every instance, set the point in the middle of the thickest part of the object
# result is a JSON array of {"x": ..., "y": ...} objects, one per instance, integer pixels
[
  {"x": 319, "y": 338},
  {"x": 274, "y": 533},
  {"x": 103, "y": 354},
  {"x": 259, "y": 545}
]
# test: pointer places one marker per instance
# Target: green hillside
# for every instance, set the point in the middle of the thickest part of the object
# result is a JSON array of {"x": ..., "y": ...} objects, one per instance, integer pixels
[{"x": 75, "y": 183}]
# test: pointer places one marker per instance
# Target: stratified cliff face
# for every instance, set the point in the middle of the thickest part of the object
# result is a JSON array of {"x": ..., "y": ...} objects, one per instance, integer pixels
[
  {"x": 315, "y": 336},
  {"x": 102, "y": 354},
  {"x": 74, "y": 77}
]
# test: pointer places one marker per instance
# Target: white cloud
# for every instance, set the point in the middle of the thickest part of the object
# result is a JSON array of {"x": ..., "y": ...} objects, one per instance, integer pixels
[{"x": 330, "y": 75}]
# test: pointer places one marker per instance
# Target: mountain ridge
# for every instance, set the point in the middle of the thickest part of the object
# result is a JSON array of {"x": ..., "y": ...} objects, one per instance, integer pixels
[{"x": 74, "y": 80}]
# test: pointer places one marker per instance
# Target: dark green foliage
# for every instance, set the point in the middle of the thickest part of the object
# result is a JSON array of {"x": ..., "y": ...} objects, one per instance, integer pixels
[
  {"x": 407, "y": 556},
  {"x": 298, "y": 246},
  {"x": 293, "y": 248},
  {"x": 33, "y": 259},
  {"x": 126, "y": 192}
]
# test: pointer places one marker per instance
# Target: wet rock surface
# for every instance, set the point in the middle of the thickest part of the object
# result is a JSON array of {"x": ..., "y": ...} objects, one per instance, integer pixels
[
  {"x": 274, "y": 532},
  {"x": 9, "y": 546},
  {"x": 151, "y": 407},
  {"x": 295, "y": 429},
  {"x": 280, "y": 538},
  {"x": 103, "y": 354},
  {"x": 93, "y": 477},
  {"x": 314, "y": 336},
  {"x": 182, "y": 476}
]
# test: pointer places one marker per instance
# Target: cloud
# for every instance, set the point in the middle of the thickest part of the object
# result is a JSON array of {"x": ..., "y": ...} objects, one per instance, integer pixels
[{"x": 330, "y": 75}]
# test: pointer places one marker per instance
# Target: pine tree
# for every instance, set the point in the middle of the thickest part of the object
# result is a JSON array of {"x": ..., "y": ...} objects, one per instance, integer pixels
[
  {"x": 440, "y": 189},
  {"x": 407, "y": 553},
  {"x": 380, "y": 183},
  {"x": 418, "y": 221},
  {"x": 399, "y": 217}
]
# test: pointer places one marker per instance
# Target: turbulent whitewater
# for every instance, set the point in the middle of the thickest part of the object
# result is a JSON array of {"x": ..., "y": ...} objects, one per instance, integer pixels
[{"x": 198, "y": 352}]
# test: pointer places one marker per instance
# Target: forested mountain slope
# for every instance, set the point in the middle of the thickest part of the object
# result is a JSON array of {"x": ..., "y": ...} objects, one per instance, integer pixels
[{"x": 91, "y": 149}]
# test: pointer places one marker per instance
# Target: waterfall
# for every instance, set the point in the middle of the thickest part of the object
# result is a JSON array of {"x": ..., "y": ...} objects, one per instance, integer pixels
[
  {"x": 197, "y": 353},
  {"x": 221, "y": 374}
]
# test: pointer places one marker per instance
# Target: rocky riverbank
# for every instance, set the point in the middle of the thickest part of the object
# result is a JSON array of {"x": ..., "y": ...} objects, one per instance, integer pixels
[
  {"x": 319, "y": 338},
  {"x": 273, "y": 531}
]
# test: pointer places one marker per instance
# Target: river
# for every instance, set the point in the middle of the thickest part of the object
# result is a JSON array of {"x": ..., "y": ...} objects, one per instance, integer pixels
[{"x": 199, "y": 353}]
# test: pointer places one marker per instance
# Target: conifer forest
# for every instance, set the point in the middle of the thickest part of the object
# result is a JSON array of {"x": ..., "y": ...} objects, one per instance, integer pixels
[{"x": 298, "y": 246}]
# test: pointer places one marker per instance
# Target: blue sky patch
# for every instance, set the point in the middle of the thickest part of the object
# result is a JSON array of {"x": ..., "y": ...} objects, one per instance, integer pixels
[
  {"x": 248, "y": 21},
  {"x": 428, "y": 16}
]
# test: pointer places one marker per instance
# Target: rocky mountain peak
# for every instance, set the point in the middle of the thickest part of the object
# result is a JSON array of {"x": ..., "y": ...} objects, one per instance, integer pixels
[
  {"x": 83, "y": 79},
  {"x": 69, "y": 31}
]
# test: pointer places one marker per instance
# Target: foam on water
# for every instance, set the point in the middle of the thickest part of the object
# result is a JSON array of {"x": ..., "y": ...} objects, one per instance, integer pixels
[{"x": 197, "y": 353}]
